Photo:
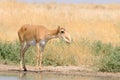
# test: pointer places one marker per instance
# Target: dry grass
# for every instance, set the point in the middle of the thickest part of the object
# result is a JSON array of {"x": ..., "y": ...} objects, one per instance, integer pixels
[{"x": 90, "y": 21}]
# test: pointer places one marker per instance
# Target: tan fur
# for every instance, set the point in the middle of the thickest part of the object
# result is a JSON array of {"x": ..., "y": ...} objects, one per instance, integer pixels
[
  {"x": 28, "y": 32},
  {"x": 38, "y": 34}
]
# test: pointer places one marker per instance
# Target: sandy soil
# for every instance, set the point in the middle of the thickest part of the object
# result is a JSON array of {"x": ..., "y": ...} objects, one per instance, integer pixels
[{"x": 66, "y": 70}]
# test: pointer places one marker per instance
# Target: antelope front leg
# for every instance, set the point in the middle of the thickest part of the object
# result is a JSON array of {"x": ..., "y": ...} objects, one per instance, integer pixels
[
  {"x": 37, "y": 61},
  {"x": 37, "y": 56},
  {"x": 40, "y": 61},
  {"x": 42, "y": 50}
]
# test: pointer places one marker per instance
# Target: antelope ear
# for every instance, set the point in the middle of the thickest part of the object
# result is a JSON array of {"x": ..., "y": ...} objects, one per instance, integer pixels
[{"x": 58, "y": 29}]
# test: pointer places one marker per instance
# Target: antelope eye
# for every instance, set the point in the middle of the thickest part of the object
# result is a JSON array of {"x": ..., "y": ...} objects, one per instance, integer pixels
[{"x": 62, "y": 31}]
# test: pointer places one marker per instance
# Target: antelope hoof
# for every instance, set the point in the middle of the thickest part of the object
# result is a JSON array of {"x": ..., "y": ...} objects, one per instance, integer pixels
[
  {"x": 38, "y": 68},
  {"x": 23, "y": 69}
]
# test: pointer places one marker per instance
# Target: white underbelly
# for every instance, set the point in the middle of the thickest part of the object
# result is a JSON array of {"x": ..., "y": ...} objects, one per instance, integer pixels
[
  {"x": 33, "y": 42},
  {"x": 42, "y": 42}
]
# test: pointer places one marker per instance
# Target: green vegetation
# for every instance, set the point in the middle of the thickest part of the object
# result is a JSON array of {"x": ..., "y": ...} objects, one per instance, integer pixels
[
  {"x": 10, "y": 54},
  {"x": 110, "y": 56},
  {"x": 105, "y": 57}
]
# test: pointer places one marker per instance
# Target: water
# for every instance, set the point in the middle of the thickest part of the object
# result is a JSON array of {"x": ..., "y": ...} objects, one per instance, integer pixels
[{"x": 47, "y": 76}]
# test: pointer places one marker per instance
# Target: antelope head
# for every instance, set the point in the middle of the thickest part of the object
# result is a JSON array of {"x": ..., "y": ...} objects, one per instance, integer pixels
[{"x": 64, "y": 35}]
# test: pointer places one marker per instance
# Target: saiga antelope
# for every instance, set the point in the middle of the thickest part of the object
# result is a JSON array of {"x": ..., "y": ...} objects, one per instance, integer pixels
[{"x": 38, "y": 35}]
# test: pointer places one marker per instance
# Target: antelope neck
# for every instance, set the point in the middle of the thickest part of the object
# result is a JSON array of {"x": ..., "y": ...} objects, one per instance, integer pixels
[{"x": 52, "y": 34}]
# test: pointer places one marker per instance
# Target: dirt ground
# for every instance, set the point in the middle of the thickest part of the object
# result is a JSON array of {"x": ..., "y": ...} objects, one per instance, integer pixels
[{"x": 65, "y": 70}]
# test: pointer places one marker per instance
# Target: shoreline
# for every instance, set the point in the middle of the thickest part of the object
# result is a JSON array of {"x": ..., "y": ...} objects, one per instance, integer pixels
[{"x": 60, "y": 70}]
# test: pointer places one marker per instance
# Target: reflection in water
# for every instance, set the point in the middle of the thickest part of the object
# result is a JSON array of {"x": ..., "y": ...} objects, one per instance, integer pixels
[
  {"x": 47, "y": 76},
  {"x": 38, "y": 76},
  {"x": 32, "y": 76},
  {"x": 22, "y": 76}
]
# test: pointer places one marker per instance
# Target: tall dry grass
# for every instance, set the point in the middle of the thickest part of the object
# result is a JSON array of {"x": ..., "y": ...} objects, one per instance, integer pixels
[
  {"x": 95, "y": 22},
  {"x": 85, "y": 22}
]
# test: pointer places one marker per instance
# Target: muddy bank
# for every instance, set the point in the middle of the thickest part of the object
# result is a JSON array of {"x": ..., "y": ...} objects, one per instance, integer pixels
[{"x": 62, "y": 70}]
